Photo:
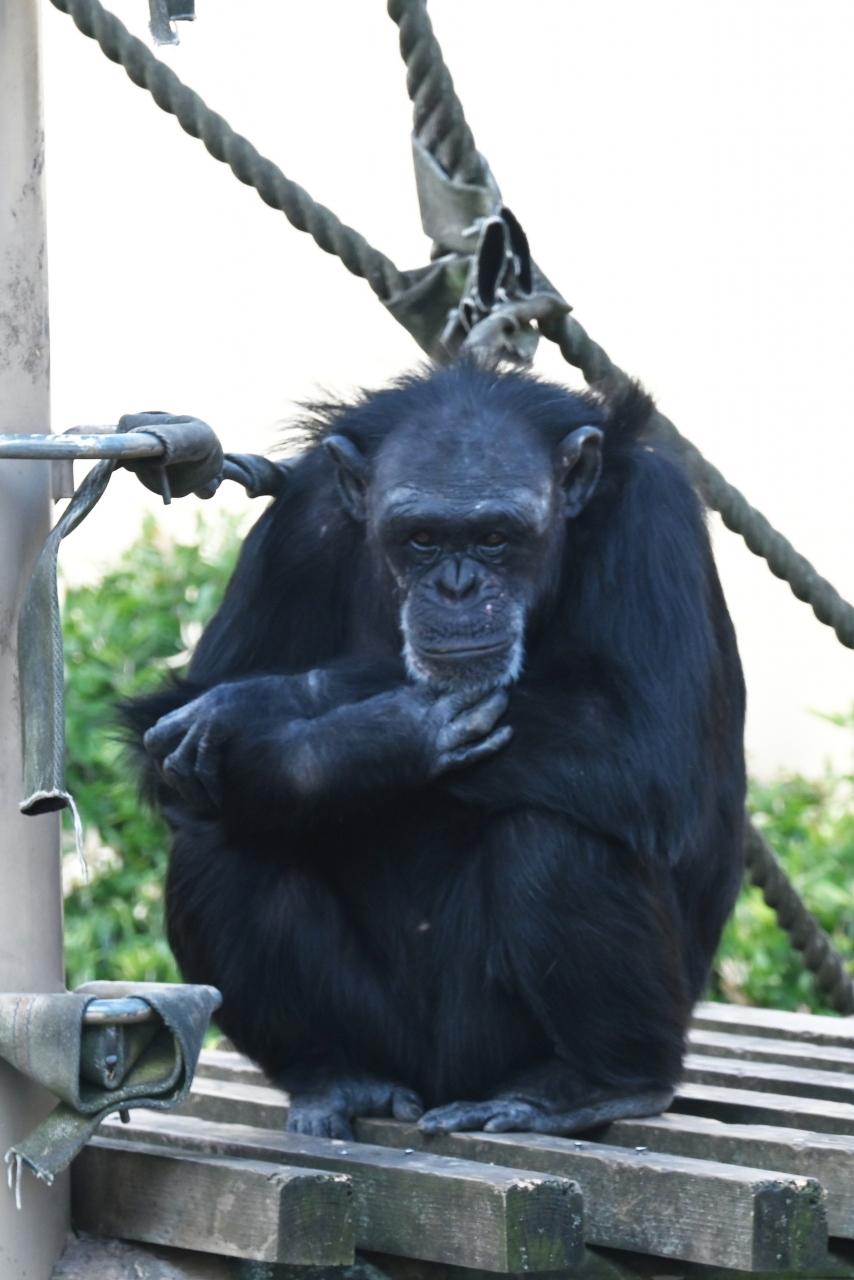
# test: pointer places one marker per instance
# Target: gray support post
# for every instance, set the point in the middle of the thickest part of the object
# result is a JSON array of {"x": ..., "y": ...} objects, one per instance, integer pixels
[{"x": 30, "y": 886}]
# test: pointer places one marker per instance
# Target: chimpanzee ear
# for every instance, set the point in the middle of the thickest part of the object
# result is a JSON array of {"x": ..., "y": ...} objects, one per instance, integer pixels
[
  {"x": 580, "y": 462},
  {"x": 352, "y": 470}
]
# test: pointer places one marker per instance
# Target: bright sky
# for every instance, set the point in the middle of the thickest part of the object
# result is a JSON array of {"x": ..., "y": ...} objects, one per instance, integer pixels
[{"x": 684, "y": 173}]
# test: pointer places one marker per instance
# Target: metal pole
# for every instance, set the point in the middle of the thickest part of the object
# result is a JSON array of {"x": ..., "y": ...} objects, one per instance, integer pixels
[{"x": 30, "y": 884}]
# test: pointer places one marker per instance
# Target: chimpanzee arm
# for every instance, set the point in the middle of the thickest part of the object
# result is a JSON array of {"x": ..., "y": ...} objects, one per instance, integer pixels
[
  {"x": 187, "y": 703},
  {"x": 270, "y": 749}
]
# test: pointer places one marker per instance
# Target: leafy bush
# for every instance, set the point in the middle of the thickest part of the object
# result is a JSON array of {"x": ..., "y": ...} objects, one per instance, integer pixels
[
  {"x": 126, "y": 633},
  {"x": 810, "y": 825},
  {"x": 123, "y": 636}
]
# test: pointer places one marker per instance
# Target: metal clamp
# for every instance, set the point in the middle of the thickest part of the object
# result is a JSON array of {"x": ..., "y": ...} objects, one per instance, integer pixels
[{"x": 164, "y": 14}]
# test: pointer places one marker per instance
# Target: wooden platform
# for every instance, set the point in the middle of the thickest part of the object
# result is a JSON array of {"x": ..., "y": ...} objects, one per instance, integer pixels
[{"x": 751, "y": 1171}]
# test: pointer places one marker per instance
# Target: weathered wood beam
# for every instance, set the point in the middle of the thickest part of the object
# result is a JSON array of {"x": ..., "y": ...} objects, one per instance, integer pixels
[
  {"x": 408, "y": 1202},
  {"x": 791, "y": 1053},
  {"x": 230, "y": 1207},
  {"x": 829, "y": 1158},
  {"x": 835, "y": 1086},
  {"x": 811, "y": 1027},
  {"x": 664, "y": 1204},
  {"x": 224, "y": 1064},
  {"x": 749, "y": 1106}
]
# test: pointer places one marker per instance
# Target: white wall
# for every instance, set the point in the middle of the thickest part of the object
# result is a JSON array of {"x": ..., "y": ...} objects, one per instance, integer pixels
[{"x": 684, "y": 172}]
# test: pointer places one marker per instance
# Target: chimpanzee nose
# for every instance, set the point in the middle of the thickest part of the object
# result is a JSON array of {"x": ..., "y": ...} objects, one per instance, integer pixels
[{"x": 457, "y": 579}]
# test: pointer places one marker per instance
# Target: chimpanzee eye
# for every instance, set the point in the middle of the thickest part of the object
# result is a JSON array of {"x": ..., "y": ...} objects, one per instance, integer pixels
[{"x": 424, "y": 540}]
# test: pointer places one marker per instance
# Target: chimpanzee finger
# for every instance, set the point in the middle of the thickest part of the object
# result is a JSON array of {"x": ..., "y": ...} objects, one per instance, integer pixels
[
  {"x": 318, "y": 1121},
  {"x": 457, "y": 1117},
  {"x": 452, "y": 704},
  {"x": 470, "y": 755},
  {"x": 339, "y": 1126},
  {"x": 514, "y": 1117},
  {"x": 165, "y": 735},
  {"x": 406, "y": 1105},
  {"x": 207, "y": 769},
  {"x": 178, "y": 771},
  {"x": 478, "y": 720}
]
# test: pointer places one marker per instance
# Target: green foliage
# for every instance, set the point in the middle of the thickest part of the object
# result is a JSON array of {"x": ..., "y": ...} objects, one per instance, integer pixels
[
  {"x": 122, "y": 637},
  {"x": 810, "y": 825}
]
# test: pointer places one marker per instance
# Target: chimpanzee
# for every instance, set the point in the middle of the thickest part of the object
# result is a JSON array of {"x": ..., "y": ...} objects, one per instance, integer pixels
[{"x": 455, "y": 779}]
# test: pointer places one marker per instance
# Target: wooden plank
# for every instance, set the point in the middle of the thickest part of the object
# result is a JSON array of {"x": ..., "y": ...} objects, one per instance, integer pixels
[
  {"x": 224, "y": 1064},
  {"x": 763, "y": 1051},
  {"x": 230, "y": 1207},
  {"x": 747, "y": 1106},
  {"x": 791, "y": 1053},
  {"x": 699, "y": 1210},
  {"x": 829, "y": 1158},
  {"x": 835, "y": 1086},
  {"x": 407, "y": 1202},
  {"x": 811, "y": 1027}
]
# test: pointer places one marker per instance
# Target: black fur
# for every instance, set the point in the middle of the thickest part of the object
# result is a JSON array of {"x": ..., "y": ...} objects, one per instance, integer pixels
[{"x": 529, "y": 930}]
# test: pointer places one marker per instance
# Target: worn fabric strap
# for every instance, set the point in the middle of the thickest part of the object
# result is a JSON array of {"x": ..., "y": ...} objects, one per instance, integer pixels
[
  {"x": 192, "y": 462},
  {"x": 151, "y": 1063},
  {"x": 40, "y": 665}
]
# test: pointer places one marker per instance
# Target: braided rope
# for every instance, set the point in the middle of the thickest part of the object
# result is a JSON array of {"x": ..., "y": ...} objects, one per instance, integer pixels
[
  {"x": 830, "y": 975},
  {"x": 579, "y": 349},
  {"x": 441, "y": 126},
  {"x": 439, "y": 120},
  {"x": 223, "y": 143}
]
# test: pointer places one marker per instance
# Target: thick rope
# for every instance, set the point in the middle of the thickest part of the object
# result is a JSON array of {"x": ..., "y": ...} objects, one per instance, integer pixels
[
  {"x": 439, "y": 120},
  {"x": 579, "y": 349},
  {"x": 830, "y": 975},
  {"x": 245, "y": 162},
  {"x": 440, "y": 124}
]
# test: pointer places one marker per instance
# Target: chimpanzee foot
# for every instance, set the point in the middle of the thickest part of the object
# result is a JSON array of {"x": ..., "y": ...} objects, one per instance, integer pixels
[
  {"x": 327, "y": 1110},
  {"x": 457, "y": 1117},
  {"x": 503, "y": 1115}
]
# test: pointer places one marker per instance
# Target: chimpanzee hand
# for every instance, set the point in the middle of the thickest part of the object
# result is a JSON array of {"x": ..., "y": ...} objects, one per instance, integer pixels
[
  {"x": 186, "y": 745},
  {"x": 456, "y": 729}
]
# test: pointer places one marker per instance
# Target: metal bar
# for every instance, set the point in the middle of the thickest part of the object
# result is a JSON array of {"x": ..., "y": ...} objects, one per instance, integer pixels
[
  {"x": 125, "y": 447},
  {"x": 125, "y": 1012},
  {"x": 30, "y": 886}
]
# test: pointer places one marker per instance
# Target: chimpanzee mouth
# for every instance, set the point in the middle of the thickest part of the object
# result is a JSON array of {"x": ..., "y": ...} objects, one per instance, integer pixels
[
  {"x": 459, "y": 661},
  {"x": 463, "y": 652},
  {"x": 475, "y": 667}
]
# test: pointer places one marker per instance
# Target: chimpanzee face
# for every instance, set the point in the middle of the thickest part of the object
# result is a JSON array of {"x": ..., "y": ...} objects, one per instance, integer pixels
[{"x": 468, "y": 520}]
